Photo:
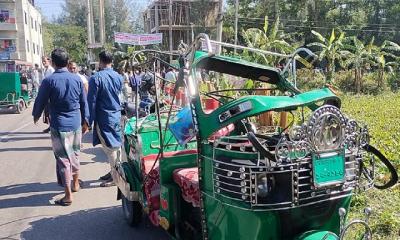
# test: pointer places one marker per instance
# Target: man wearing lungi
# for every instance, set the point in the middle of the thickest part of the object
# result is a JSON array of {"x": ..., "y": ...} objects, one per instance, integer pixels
[
  {"x": 69, "y": 114},
  {"x": 105, "y": 86}
]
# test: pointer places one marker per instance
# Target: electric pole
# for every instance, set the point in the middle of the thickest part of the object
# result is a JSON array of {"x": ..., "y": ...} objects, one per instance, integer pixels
[
  {"x": 236, "y": 22},
  {"x": 171, "y": 47},
  {"x": 220, "y": 22},
  {"x": 102, "y": 26}
]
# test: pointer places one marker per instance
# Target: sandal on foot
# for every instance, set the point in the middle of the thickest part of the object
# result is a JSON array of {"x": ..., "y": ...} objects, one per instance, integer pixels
[
  {"x": 62, "y": 202},
  {"x": 107, "y": 184}
]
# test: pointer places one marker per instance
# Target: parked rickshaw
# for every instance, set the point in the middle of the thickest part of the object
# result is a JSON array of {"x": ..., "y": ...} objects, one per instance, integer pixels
[
  {"x": 14, "y": 91},
  {"x": 210, "y": 171}
]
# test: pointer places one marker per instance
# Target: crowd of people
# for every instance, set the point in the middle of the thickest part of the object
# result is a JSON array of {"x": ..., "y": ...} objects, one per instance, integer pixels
[{"x": 76, "y": 104}]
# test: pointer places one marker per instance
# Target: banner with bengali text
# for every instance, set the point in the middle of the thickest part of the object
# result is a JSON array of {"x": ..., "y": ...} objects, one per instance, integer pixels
[{"x": 138, "y": 39}]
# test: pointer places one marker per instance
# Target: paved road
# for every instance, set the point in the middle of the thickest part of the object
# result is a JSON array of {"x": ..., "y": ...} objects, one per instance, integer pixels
[{"x": 28, "y": 190}]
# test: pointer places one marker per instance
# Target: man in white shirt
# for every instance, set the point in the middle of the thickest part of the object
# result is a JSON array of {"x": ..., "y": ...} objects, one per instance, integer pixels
[
  {"x": 48, "y": 69},
  {"x": 73, "y": 68},
  {"x": 35, "y": 78},
  {"x": 47, "y": 72}
]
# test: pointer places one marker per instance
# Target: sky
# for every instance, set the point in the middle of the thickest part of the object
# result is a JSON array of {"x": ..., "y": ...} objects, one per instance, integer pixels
[{"x": 52, "y": 8}]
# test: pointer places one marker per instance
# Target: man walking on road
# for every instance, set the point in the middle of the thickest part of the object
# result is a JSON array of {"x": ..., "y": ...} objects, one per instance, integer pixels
[
  {"x": 105, "y": 111},
  {"x": 47, "y": 72},
  {"x": 65, "y": 96}
]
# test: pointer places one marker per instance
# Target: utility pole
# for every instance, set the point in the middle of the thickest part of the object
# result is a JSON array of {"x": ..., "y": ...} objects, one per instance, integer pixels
[
  {"x": 236, "y": 23},
  {"x": 89, "y": 20},
  {"x": 171, "y": 45},
  {"x": 102, "y": 26},
  {"x": 220, "y": 22}
]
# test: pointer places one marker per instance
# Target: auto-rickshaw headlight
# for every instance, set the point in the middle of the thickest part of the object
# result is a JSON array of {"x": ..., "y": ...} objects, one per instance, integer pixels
[{"x": 264, "y": 185}]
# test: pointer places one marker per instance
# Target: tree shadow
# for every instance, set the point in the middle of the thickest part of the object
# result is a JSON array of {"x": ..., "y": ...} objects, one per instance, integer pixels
[
  {"x": 15, "y": 139},
  {"x": 99, "y": 223},
  {"x": 20, "y": 133},
  {"x": 26, "y": 149}
]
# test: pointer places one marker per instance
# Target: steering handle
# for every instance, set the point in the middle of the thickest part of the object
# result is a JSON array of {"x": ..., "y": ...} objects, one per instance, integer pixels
[
  {"x": 260, "y": 148},
  {"x": 394, "y": 178}
]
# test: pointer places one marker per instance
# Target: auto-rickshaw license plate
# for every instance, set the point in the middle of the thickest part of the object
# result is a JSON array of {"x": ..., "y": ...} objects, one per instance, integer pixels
[{"x": 328, "y": 168}]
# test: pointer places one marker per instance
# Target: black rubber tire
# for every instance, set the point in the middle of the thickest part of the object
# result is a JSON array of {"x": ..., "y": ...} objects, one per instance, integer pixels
[
  {"x": 133, "y": 211},
  {"x": 394, "y": 178},
  {"x": 20, "y": 106}
]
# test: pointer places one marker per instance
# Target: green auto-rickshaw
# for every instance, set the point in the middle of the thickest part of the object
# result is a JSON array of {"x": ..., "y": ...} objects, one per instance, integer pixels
[{"x": 212, "y": 169}]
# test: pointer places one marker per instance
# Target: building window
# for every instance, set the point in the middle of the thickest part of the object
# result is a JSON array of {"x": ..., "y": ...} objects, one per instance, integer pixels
[
  {"x": 27, "y": 45},
  {"x": 37, "y": 49},
  {"x": 40, "y": 28},
  {"x": 32, "y": 22},
  {"x": 36, "y": 26},
  {"x": 34, "y": 48},
  {"x": 26, "y": 18}
]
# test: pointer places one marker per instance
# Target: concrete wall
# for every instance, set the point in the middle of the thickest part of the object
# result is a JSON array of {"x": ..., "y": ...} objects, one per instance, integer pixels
[{"x": 25, "y": 30}]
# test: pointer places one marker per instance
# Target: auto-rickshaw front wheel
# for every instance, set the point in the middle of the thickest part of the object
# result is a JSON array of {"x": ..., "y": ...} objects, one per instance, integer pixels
[{"x": 133, "y": 211}]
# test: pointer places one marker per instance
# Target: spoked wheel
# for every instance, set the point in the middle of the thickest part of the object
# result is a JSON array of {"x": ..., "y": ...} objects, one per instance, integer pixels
[
  {"x": 20, "y": 106},
  {"x": 133, "y": 211},
  {"x": 379, "y": 169}
]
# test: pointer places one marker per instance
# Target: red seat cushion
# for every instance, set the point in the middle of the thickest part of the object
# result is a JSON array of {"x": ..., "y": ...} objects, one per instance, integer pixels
[
  {"x": 152, "y": 184},
  {"x": 188, "y": 180}
]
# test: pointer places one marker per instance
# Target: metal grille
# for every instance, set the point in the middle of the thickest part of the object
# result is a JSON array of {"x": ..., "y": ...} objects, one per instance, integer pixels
[{"x": 293, "y": 181}]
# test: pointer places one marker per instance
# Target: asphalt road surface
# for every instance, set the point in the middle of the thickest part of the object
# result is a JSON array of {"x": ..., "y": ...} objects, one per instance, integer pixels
[{"x": 28, "y": 189}]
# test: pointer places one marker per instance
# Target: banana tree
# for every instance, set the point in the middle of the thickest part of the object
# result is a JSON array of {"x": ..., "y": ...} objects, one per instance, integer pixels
[
  {"x": 330, "y": 49},
  {"x": 381, "y": 54},
  {"x": 357, "y": 55},
  {"x": 269, "y": 39}
]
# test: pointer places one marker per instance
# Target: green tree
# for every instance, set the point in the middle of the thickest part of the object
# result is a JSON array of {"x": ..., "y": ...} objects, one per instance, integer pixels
[
  {"x": 71, "y": 38},
  {"x": 331, "y": 49}
]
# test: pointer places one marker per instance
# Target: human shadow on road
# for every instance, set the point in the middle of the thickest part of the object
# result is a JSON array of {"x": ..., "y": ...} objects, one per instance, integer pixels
[
  {"x": 97, "y": 154},
  {"x": 34, "y": 200},
  {"x": 29, "y": 188},
  {"x": 25, "y": 149},
  {"x": 99, "y": 223},
  {"x": 48, "y": 190}
]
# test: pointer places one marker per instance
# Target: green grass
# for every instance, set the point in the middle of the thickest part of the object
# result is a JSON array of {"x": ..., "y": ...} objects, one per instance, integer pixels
[{"x": 382, "y": 115}]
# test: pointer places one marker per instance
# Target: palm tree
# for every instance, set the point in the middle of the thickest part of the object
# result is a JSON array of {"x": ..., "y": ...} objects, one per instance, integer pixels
[
  {"x": 331, "y": 50},
  {"x": 269, "y": 40}
]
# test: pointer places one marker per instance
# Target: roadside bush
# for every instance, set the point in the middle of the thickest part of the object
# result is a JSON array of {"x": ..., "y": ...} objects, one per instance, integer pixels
[
  {"x": 344, "y": 80},
  {"x": 393, "y": 81},
  {"x": 308, "y": 79}
]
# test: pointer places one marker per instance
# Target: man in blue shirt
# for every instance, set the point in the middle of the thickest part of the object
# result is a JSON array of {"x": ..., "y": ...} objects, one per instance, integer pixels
[
  {"x": 105, "y": 111},
  {"x": 65, "y": 94}
]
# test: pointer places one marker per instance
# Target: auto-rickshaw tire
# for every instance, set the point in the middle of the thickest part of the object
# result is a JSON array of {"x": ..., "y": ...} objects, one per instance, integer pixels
[
  {"x": 20, "y": 106},
  {"x": 133, "y": 211}
]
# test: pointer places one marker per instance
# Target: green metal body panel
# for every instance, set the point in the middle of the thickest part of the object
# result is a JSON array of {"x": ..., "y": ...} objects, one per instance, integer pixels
[
  {"x": 168, "y": 204},
  {"x": 10, "y": 90}
]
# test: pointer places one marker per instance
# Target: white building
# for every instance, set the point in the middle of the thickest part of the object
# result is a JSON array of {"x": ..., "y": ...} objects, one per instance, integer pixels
[{"x": 20, "y": 33}]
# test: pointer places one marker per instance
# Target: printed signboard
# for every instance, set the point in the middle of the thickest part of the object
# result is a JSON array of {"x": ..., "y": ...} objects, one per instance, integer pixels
[{"x": 138, "y": 39}]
